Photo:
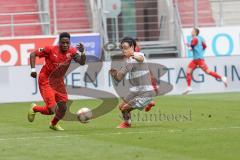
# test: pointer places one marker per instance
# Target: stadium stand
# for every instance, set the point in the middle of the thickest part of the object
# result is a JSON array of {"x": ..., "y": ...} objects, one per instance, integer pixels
[
  {"x": 153, "y": 22},
  {"x": 226, "y": 12},
  {"x": 13, "y": 8},
  {"x": 205, "y": 16},
  {"x": 72, "y": 16},
  {"x": 25, "y": 17}
]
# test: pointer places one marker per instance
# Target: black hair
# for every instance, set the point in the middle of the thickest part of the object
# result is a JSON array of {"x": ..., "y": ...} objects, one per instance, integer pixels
[
  {"x": 64, "y": 34},
  {"x": 130, "y": 41},
  {"x": 197, "y": 31}
]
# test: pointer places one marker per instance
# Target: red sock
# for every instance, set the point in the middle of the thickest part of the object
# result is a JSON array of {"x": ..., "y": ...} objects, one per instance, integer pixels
[
  {"x": 42, "y": 109},
  {"x": 189, "y": 79},
  {"x": 59, "y": 113},
  {"x": 154, "y": 84},
  {"x": 149, "y": 106},
  {"x": 54, "y": 120},
  {"x": 214, "y": 74}
]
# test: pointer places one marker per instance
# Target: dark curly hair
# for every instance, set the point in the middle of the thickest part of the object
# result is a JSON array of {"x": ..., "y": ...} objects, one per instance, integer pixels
[
  {"x": 128, "y": 40},
  {"x": 64, "y": 34}
]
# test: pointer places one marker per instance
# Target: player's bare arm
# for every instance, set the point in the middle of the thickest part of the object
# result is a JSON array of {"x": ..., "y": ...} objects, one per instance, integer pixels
[
  {"x": 138, "y": 57},
  {"x": 117, "y": 75},
  {"x": 81, "y": 59},
  {"x": 32, "y": 63}
]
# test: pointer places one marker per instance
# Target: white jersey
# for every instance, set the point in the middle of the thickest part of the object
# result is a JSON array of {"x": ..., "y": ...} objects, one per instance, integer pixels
[{"x": 139, "y": 74}]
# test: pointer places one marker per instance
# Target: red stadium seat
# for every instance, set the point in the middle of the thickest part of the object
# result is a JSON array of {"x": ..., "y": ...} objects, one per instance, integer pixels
[
  {"x": 205, "y": 17},
  {"x": 17, "y": 6},
  {"x": 71, "y": 15}
]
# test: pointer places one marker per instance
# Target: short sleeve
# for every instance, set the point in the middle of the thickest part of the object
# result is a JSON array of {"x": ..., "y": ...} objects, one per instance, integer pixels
[
  {"x": 194, "y": 42},
  {"x": 204, "y": 45},
  {"x": 73, "y": 51},
  {"x": 43, "y": 52}
]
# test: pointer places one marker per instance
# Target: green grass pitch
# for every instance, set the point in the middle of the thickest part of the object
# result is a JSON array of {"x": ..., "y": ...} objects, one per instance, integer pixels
[{"x": 193, "y": 127}]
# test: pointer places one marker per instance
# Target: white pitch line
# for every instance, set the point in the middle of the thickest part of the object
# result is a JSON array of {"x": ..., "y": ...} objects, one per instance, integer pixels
[
  {"x": 213, "y": 128},
  {"x": 121, "y": 133},
  {"x": 24, "y": 138}
]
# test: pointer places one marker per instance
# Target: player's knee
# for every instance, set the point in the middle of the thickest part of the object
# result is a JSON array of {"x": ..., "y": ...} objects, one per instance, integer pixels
[
  {"x": 124, "y": 110},
  {"x": 125, "y": 107}
]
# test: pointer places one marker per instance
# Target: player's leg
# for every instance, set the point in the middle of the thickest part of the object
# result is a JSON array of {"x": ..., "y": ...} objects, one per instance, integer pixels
[
  {"x": 205, "y": 68},
  {"x": 154, "y": 83},
  {"x": 190, "y": 69},
  {"x": 137, "y": 102},
  {"x": 50, "y": 102},
  {"x": 60, "y": 109},
  {"x": 49, "y": 99},
  {"x": 155, "y": 86},
  {"x": 149, "y": 106},
  {"x": 145, "y": 100},
  {"x": 191, "y": 66},
  {"x": 45, "y": 110},
  {"x": 126, "y": 109}
]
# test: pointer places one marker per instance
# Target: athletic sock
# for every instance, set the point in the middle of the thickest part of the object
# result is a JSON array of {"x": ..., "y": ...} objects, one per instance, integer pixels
[
  {"x": 59, "y": 113},
  {"x": 126, "y": 116},
  {"x": 42, "y": 109},
  {"x": 214, "y": 74},
  {"x": 189, "y": 79},
  {"x": 54, "y": 121}
]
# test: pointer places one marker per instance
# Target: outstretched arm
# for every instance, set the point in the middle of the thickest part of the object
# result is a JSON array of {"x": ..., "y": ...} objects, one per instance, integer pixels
[
  {"x": 117, "y": 75},
  {"x": 81, "y": 59}
]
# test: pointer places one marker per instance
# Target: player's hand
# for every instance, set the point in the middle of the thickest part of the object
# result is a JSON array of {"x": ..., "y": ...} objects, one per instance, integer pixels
[
  {"x": 113, "y": 72},
  {"x": 34, "y": 74},
  {"x": 190, "y": 48},
  {"x": 80, "y": 47}
]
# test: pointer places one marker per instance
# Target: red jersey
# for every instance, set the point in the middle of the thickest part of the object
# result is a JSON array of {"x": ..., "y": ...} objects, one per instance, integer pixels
[{"x": 55, "y": 60}]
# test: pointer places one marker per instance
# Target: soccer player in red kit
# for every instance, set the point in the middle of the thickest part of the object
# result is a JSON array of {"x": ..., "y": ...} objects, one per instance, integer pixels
[
  {"x": 51, "y": 78},
  {"x": 197, "y": 46}
]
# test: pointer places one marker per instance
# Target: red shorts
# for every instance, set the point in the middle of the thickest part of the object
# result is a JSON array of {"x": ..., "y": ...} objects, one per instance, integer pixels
[
  {"x": 52, "y": 93},
  {"x": 198, "y": 63}
]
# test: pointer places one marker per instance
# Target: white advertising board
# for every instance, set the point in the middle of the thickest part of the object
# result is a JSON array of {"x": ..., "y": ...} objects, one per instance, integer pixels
[
  {"x": 16, "y": 85},
  {"x": 221, "y": 41}
]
